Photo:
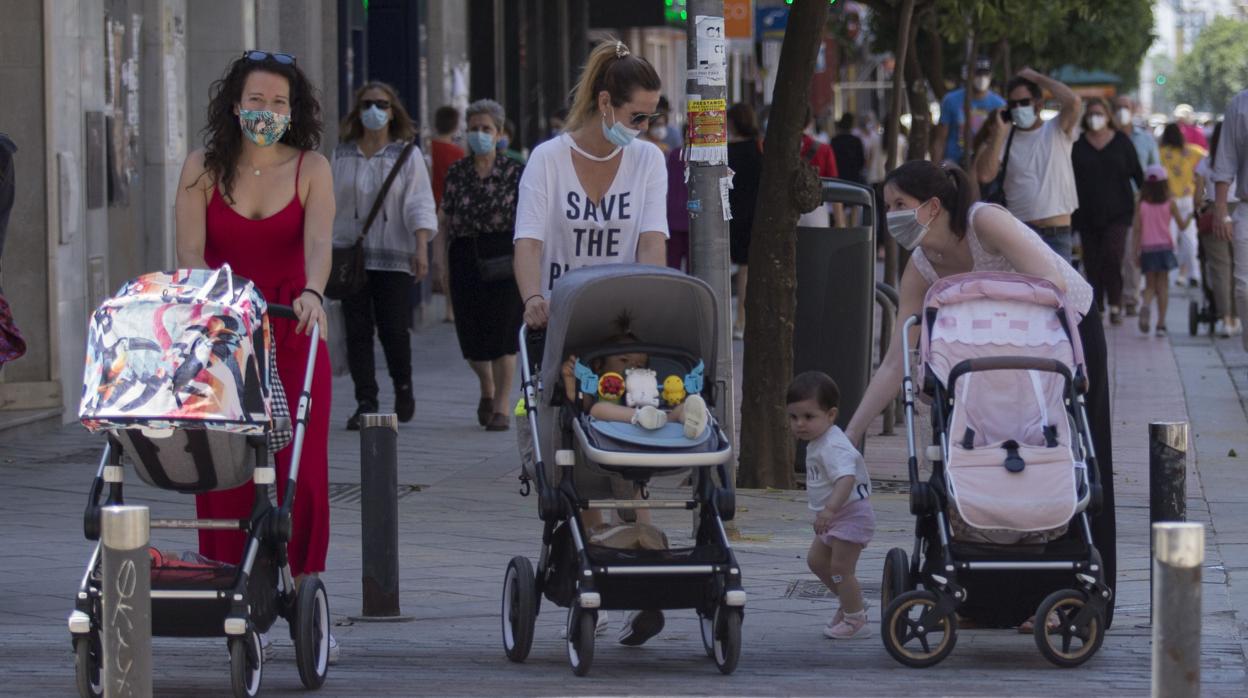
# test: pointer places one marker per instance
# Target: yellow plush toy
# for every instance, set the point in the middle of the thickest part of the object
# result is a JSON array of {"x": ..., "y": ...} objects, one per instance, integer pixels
[{"x": 673, "y": 390}]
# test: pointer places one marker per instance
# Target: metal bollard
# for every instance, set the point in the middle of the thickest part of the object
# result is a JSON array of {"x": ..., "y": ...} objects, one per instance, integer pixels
[
  {"x": 1167, "y": 474},
  {"x": 1179, "y": 551},
  {"x": 379, "y": 517},
  {"x": 127, "y": 601}
]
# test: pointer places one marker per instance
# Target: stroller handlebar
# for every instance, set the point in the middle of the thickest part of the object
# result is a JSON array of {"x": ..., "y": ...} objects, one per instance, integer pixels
[{"x": 284, "y": 312}]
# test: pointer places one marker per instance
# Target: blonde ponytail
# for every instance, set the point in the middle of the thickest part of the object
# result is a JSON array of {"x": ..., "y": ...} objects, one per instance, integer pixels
[{"x": 611, "y": 67}]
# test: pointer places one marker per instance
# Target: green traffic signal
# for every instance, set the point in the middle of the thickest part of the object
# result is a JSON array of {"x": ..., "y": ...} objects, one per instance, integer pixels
[{"x": 1161, "y": 79}]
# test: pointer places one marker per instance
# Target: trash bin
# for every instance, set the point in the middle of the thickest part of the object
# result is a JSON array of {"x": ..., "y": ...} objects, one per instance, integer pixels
[{"x": 835, "y": 298}]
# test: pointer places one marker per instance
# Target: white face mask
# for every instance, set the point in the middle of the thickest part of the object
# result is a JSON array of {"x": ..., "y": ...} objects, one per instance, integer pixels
[
  {"x": 1024, "y": 117},
  {"x": 658, "y": 133},
  {"x": 1124, "y": 116},
  {"x": 1096, "y": 122},
  {"x": 982, "y": 82}
]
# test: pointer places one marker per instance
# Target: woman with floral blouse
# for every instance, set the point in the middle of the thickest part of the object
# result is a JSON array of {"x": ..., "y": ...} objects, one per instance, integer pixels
[{"x": 479, "y": 217}]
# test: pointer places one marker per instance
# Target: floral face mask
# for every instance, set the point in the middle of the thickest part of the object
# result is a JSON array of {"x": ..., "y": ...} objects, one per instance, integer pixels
[{"x": 263, "y": 127}]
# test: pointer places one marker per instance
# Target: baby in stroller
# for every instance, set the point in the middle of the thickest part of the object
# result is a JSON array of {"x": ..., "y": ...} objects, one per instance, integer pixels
[{"x": 626, "y": 389}]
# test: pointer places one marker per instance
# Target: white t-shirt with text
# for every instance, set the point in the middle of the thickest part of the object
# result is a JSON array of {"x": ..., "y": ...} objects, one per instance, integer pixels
[
  {"x": 1040, "y": 180},
  {"x": 576, "y": 232},
  {"x": 830, "y": 458}
]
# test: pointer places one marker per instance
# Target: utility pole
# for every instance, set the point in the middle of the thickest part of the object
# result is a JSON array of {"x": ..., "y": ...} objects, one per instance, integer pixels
[{"x": 706, "y": 156}]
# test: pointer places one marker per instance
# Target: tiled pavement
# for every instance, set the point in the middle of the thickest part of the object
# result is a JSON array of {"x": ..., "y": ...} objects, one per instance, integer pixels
[{"x": 467, "y": 520}]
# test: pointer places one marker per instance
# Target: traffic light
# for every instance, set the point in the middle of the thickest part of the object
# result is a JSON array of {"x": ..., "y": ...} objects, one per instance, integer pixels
[{"x": 1161, "y": 79}]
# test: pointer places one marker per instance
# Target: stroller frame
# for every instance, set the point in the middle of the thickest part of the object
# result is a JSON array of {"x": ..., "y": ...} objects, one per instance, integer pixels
[
  {"x": 240, "y": 608},
  {"x": 910, "y": 616},
  {"x": 573, "y": 575}
]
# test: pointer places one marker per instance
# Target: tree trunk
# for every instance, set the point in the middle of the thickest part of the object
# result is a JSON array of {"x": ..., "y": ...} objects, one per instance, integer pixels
[
  {"x": 916, "y": 92},
  {"x": 766, "y": 458},
  {"x": 893, "y": 125},
  {"x": 968, "y": 131},
  {"x": 933, "y": 64}
]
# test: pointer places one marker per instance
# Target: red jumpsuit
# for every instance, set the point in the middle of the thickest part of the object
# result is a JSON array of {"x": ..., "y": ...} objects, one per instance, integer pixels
[{"x": 269, "y": 252}]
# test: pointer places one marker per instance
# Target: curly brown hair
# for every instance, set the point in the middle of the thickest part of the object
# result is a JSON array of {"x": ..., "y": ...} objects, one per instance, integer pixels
[{"x": 223, "y": 137}]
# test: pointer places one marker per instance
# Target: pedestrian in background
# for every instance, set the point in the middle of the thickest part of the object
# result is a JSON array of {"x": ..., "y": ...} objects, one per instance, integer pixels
[
  {"x": 953, "y": 114},
  {"x": 1106, "y": 169},
  {"x": 847, "y": 146},
  {"x": 377, "y": 139},
  {"x": 657, "y": 133},
  {"x": 1154, "y": 244},
  {"x": 1218, "y": 252},
  {"x": 673, "y": 136},
  {"x": 259, "y": 197},
  {"x": 677, "y": 212},
  {"x": 1039, "y": 182},
  {"x": 745, "y": 159},
  {"x": 1180, "y": 159},
  {"x": 444, "y": 150},
  {"x": 479, "y": 219},
  {"x": 1125, "y": 114},
  {"x": 12, "y": 344},
  {"x": 1185, "y": 117},
  {"x": 1230, "y": 174},
  {"x": 507, "y": 142},
  {"x": 596, "y": 195},
  {"x": 819, "y": 155}
]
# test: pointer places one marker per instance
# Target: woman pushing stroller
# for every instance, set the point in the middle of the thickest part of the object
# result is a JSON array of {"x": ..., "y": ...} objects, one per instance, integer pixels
[{"x": 932, "y": 211}]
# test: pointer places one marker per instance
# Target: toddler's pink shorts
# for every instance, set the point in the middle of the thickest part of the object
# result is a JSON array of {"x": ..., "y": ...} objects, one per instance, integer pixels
[{"x": 854, "y": 523}]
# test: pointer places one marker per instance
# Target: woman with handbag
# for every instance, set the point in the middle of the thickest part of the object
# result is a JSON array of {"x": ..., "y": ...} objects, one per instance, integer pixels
[
  {"x": 479, "y": 218},
  {"x": 386, "y": 215}
]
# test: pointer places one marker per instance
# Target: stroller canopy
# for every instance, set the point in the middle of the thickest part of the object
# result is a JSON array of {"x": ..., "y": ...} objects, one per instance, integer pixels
[
  {"x": 186, "y": 348},
  {"x": 664, "y": 306}
]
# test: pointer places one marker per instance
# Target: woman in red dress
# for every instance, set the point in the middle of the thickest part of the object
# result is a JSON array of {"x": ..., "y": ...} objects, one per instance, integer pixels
[{"x": 260, "y": 198}]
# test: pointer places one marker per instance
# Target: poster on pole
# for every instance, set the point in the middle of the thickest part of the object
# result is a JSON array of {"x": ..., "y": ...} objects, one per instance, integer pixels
[
  {"x": 708, "y": 131},
  {"x": 712, "y": 57}
]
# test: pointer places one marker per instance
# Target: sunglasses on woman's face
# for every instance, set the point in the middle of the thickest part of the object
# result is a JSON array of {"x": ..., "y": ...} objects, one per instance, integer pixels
[
  {"x": 1010, "y": 104},
  {"x": 640, "y": 119},
  {"x": 283, "y": 58},
  {"x": 382, "y": 104}
]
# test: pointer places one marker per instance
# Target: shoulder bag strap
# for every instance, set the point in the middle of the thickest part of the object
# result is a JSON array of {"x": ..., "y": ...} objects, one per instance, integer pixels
[
  {"x": 385, "y": 188},
  {"x": 1005, "y": 159}
]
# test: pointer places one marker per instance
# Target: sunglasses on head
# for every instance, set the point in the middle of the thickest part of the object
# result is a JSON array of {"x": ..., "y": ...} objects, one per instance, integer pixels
[
  {"x": 382, "y": 104},
  {"x": 1026, "y": 102},
  {"x": 283, "y": 58}
]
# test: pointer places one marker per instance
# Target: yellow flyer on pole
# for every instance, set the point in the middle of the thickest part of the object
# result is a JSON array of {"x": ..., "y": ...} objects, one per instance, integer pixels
[{"x": 708, "y": 131}]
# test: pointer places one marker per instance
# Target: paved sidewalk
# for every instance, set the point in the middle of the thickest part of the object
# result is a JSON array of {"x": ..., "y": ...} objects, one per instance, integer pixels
[{"x": 465, "y": 521}]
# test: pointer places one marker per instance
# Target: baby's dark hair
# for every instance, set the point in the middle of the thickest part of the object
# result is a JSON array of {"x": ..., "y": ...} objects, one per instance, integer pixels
[
  {"x": 814, "y": 385},
  {"x": 623, "y": 335}
]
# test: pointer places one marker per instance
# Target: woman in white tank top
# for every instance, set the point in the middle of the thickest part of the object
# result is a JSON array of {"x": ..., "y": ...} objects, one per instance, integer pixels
[{"x": 932, "y": 211}]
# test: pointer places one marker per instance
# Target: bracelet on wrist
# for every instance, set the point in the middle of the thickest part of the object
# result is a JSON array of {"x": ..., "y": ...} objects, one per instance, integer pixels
[
  {"x": 320, "y": 299},
  {"x": 526, "y": 300}
]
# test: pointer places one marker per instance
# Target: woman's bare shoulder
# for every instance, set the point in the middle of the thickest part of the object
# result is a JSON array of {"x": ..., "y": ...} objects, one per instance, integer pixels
[{"x": 195, "y": 174}]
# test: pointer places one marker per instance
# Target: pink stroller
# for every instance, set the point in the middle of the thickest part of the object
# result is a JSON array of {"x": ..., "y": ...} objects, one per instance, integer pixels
[{"x": 1013, "y": 469}]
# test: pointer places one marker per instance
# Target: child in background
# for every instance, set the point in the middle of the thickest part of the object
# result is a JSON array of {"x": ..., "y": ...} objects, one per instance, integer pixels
[
  {"x": 1153, "y": 245},
  {"x": 839, "y": 491}
]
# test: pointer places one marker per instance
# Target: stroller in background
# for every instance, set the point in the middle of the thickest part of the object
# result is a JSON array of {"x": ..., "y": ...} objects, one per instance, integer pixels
[
  {"x": 674, "y": 315},
  {"x": 181, "y": 376},
  {"x": 1014, "y": 473}
]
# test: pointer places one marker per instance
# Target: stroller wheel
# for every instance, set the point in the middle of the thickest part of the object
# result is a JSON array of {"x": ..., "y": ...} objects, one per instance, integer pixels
[
  {"x": 1060, "y": 638},
  {"x": 727, "y": 643},
  {"x": 1193, "y": 318},
  {"x": 312, "y": 632},
  {"x": 582, "y": 624},
  {"x": 914, "y": 633},
  {"x": 707, "y": 625},
  {"x": 519, "y": 608},
  {"x": 896, "y": 576},
  {"x": 88, "y": 663},
  {"x": 246, "y": 664}
]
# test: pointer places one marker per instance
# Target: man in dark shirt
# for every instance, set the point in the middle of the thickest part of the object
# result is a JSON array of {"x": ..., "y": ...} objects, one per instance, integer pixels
[{"x": 851, "y": 154}]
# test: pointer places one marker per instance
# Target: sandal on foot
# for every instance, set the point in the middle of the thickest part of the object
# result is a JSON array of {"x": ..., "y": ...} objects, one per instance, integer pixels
[{"x": 649, "y": 417}]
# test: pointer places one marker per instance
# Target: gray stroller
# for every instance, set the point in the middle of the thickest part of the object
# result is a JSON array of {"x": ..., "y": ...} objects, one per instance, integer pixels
[{"x": 673, "y": 316}]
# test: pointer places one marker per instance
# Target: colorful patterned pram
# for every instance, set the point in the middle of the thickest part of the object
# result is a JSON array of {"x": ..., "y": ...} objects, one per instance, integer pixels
[{"x": 181, "y": 377}]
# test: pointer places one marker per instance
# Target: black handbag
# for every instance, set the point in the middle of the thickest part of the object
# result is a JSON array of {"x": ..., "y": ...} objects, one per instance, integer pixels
[
  {"x": 495, "y": 268},
  {"x": 994, "y": 191},
  {"x": 346, "y": 271}
]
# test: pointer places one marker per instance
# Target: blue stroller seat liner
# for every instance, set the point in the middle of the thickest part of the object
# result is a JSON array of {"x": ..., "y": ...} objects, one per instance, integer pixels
[{"x": 622, "y": 436}]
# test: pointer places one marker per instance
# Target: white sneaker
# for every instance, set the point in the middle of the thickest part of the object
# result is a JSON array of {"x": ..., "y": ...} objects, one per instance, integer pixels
[
  {"x": 641, "y": 626},
  {"x": 334, "y": 652},
  {"x": 599, "y": 630},
  {"x": 266, "y": 647},
  {"x": 1221, "y": 329}
]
